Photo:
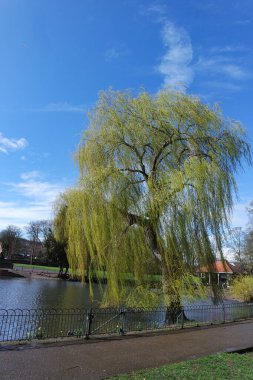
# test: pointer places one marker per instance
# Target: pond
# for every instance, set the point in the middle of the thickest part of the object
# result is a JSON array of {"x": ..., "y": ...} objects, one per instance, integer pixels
[
  {"x": 23, "y": 293},
  {"x": 58, "y": 311}
]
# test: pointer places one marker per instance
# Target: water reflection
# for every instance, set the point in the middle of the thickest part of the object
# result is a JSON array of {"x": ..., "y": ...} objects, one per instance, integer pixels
[
  {"x": 32, "y": 301},
  {"x": 21, "y": 293}
]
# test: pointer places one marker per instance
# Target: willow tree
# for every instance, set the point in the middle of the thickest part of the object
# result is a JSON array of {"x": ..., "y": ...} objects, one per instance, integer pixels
[{"x": 156, "y": 186}]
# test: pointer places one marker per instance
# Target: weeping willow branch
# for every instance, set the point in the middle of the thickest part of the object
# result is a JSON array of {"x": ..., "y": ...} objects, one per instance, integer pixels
[{"x": 156, "y": 189}]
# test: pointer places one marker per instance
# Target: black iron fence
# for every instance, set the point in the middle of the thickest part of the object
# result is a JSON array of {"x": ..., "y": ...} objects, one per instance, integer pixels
[{"x": 22, "y": 324}]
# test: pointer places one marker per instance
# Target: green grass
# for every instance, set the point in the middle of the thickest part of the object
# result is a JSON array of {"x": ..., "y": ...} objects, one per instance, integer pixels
[
  {"x": 98, "y": 274},
  {"x": 215, "y": 367},
  {"x": 40, "y": 267}
]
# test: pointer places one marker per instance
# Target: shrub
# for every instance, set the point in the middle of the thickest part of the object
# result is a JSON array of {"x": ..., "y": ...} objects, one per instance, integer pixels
[{"x": 242, "y": 288}]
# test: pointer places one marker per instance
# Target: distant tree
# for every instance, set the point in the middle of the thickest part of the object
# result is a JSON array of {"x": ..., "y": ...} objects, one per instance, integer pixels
[
  {"x": 250, "y": 213},
  {"x": 248, "y": 242},
  {"x": 248, "y": 251},
  {"x": 10, "y": 241},
  {"x": 235, "y": 243},
  {"x": 156, "y": 181},
  {"x": 56, "y": 250},
  {"x": 241, "y": 243},
  {"x": 33, "y": 230},
  {"x": 45, "y": 229}
]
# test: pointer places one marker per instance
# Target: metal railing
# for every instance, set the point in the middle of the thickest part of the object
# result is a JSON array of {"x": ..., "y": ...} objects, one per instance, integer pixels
[{"x": 24, "y": 324}]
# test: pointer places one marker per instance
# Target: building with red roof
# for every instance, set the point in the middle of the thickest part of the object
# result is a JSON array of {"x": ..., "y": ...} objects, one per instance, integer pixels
[{"x": 222, "y": 269}]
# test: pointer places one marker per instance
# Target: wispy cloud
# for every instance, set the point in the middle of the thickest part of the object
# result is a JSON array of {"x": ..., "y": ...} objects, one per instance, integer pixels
[
  {"x": 37, "y": 191},
  {"x": 225, "y": 85},
  {"x": 175, "y": 64},
  {"x": 34, "y": 200},
  {"x": 239, "y": 217},
  {"x": 228, "y": 49},
  {"x": 234, "y": 71},
  {"x": 243, "y": 22},
  {"x": 11, "y": 144},
  {"x": 20, "y": 215},
  {"x": 156, "y": 8},
  {"x": 114, "y": 53},
  {"x": 30, "y": 175},
  {"x": 225, "y": 67},
  {"x": 61, "y": 107},
  {"x": 222, "y": 65},
  {"x": 51, "y": 107}
]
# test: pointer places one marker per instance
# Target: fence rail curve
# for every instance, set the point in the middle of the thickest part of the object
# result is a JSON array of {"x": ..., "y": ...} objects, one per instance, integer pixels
[{"x": 29, "y": 324}]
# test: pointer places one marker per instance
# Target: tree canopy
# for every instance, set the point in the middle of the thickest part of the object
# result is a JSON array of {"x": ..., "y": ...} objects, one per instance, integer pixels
[
  {"x": 156, "y": 188},
  {"x": 10, "y": 241}
]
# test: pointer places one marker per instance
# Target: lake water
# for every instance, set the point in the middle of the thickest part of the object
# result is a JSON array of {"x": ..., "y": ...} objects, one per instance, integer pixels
[{"x": 23, "y": 293}]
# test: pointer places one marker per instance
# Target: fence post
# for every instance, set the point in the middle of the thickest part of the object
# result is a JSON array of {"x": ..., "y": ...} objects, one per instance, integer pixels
[
  {"x": 224, "y": 312},
  {"x": 122, "y": 329},
  {"x": 182, "y": 316},
  {"x": 90, "y": 317}
]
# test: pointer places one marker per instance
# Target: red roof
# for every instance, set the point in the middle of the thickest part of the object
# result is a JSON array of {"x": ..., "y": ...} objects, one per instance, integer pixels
[{"x": 220, "y": 266}]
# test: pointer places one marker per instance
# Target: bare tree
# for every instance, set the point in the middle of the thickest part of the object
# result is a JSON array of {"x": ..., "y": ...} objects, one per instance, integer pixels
[
  {"x": 33, "y": 230},
  {"x": 45, "y": 230},
  {"x": 235, "y": 243}
]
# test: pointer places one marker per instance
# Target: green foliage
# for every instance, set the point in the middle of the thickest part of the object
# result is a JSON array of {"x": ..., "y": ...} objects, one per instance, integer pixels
[
  {"x": 55, "y": 250},
  {"x": 247, "y": 254},
  {"x": 156, "y": 182},
  {"x": 10, "y": 240},
  {"x": 222, "y": 366},
  {"x": 242, "y": 288}
]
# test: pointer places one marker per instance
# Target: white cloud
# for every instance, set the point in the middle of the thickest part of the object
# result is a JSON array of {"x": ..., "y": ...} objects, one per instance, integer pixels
[
  {"x": 30, "y": 175},
  {"x": 33, "y": 200},
  {"x": 228, "y": 49},
  {"x": 243, "y": 22},
  {"x": 60, "y": 107},
  {"x": 114, "y": 53},
  {"x": 175, "y": 65},
  {"x": 10, "y": 144},
  {"x": 155, "y": 9},
  {"x": 37, "y": 191},
  {"x": 239, "y": 216},
  {"x": 234, "y": 71},
  {"x": 18, "y": 215},
  {"x": 222, "y": 66},
  {"x": 221, "y": 84}
]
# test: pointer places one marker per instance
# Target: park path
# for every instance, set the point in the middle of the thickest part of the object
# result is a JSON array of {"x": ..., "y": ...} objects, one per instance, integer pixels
[{"x": 95, "y": 360}]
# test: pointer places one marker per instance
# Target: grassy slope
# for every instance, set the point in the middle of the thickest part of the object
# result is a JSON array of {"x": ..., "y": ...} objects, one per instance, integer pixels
[
  {"x": 98, "y": 274},
  {"x": 215, "y": 367},
  {"x": 40, "y": 267}
]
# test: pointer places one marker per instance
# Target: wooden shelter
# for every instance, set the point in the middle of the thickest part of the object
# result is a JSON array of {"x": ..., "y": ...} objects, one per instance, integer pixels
[{"x": 221, "y": 269}]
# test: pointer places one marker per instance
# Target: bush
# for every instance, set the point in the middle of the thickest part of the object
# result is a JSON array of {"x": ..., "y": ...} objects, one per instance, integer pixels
[{"x": 242, "y": 288}]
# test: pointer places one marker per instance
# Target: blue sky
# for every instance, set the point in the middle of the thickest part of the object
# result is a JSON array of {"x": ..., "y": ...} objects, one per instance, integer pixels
[{"x": 57, "y": 55}]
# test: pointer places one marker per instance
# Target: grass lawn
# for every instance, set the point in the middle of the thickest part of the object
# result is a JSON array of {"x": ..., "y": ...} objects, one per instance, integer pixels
[
  {"x": 98, "y": 274},
  {"x": 39, "y": 267},
  {"x": 215, "y": 367}
]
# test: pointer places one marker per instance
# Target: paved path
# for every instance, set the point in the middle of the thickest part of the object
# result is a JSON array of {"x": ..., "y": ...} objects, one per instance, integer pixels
[{"x": 99, "y": 360}]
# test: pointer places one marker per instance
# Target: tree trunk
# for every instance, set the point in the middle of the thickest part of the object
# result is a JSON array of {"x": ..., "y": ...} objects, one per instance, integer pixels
[{"x": 172, "y": 299}]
